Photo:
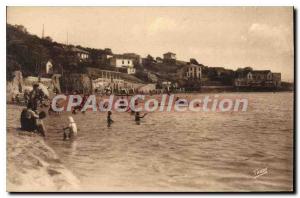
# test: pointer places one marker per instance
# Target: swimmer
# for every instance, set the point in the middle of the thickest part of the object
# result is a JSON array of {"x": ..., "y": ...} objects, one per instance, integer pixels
[
  {"x": 138, "y": 117},
  {"x": 109, "y": 120},
  {"x": 71, "y": 130}
]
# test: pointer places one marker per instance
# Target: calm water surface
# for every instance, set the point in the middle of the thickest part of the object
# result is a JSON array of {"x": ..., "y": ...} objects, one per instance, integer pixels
[{"x": 179, "y": 151}]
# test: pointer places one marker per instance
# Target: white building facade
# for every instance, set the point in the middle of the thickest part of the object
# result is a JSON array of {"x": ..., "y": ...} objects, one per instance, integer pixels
[
  {"x": 169, "y": 56},
  {"x": 193, "y": 72},
  {"x": 124, "y": 64}
]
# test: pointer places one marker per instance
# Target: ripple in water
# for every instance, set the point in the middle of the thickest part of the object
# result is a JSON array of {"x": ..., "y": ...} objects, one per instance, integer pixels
[{"x": 172, "y": 151}]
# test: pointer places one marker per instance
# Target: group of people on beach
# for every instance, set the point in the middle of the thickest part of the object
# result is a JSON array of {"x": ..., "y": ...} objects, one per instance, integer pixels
[{"x": 31, "y": 118}]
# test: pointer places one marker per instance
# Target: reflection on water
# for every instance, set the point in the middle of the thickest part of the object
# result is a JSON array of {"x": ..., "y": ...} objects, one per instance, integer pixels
[{"x": 177, "y": 151}]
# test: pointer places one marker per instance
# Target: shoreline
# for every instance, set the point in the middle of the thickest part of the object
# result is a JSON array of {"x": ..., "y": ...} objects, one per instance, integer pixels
[{"x": 32, "y": 165}]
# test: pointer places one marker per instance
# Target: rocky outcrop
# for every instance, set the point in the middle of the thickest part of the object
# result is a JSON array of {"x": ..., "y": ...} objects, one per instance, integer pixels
[{"x": 15, "y": 86}]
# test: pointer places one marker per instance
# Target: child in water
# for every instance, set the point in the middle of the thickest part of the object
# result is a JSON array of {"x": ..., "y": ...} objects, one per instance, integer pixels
[
  {"x": 71, "y": 130},
  {"x": 109, "y": 120},
  {"x": 138, "y": 117}
]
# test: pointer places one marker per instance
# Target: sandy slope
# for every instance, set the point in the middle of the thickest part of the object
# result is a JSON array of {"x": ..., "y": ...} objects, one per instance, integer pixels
[{"x": 34, "y": 166}]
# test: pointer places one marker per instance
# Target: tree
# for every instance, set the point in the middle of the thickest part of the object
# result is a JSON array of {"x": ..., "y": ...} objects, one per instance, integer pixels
[
  {"x": 150, "y": 58},
  {"x": 48, "y": 38},
  {"x": 149, "y": 61},
  {"x": 21, "y": 28},
  {"x": 194, "y": 61}
]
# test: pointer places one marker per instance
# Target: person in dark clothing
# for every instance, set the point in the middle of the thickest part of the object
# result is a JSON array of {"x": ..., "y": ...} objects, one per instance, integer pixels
[
  {"x": 31, "y": 121},
  {"x": 109, "y": 120},
  {"x": 138, "y": 117},
  {"x": 28, "y": 120}
]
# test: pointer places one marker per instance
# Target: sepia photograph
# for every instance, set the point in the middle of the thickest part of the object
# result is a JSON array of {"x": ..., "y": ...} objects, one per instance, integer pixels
[{"x": 150, "y": 99}]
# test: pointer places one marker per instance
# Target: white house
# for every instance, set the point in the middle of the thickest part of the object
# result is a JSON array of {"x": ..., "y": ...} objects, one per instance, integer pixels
[
  {"x": 190, "y": 71},
  {"x": 123, "y": 64},
  {"x": 193, "y": 71},
  {"x": 169, "y": 56},
  {"x": 262, "y": 75},
  {"x": 257, "y": 78}
]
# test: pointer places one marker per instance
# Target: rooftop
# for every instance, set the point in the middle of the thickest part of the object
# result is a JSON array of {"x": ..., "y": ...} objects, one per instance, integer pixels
[
  {"x": 121, "y": 56},
  {"x": 75, "y": 49},
  {"x": 170, "y": 53},
  {"x": 261, "y": 71}
]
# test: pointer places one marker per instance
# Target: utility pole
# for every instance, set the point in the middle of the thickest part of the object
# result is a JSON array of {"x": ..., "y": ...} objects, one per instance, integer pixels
[
  {"x": 67, "y": 38},
  {"x": 43, "y": 32}
]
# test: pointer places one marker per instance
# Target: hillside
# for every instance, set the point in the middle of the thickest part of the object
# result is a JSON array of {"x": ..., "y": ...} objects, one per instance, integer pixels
[{"x": 28, "y": 52}]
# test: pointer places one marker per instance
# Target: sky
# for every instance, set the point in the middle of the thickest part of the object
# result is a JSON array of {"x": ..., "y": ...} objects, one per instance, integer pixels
[{"x": 230, "y": 37}]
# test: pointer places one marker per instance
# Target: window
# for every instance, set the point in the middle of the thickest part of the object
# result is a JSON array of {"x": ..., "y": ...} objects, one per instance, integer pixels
[
  {"x": 122, "y": 62},
  {"x": 269, "y": 76},
  {"x": 128, "y": 62}
]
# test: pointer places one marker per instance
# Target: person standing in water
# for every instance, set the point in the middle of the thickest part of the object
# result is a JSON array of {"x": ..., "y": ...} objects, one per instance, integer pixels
[
  {"x": 138, "y": 117},
  {"x": 109, "y": 120},
  {"x": 71, "y": 130}
]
